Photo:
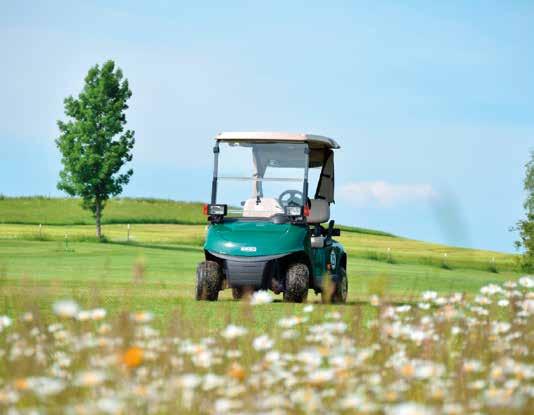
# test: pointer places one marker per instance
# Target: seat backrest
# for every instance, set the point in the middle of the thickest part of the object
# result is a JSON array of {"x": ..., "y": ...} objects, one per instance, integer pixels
[
  {"x": 267, "y": 207},
  {"x": 319, "y": 211}
]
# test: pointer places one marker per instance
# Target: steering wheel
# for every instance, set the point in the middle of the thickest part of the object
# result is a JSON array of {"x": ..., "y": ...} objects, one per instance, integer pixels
[{"x": 291, "y": 198}]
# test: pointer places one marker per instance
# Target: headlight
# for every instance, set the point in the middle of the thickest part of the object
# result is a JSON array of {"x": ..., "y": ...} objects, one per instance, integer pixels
[
  {"x": 217, "y": 210},
  {"x": 294, "y": 210}
]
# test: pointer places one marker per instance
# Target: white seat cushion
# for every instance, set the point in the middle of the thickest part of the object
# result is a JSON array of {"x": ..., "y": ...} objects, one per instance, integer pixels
[
  {"x": 267, "y": 207},
  {"x": 317, "y": 241},
  {"x": 319, "y": 211}
]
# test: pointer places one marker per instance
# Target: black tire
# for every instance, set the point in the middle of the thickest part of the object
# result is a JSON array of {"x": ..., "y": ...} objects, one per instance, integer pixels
[
  {"x": 342, "y": 287},
  {"x": 209, "y": 281},
  {"x": 297, "y": 283}
]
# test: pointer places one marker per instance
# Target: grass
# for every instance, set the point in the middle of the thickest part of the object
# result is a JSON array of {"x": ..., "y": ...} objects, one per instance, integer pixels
[
  {"x": 380, "y": 356},
  {"x": 68, "y": 211},
  {"x": 64, "y": 260}
]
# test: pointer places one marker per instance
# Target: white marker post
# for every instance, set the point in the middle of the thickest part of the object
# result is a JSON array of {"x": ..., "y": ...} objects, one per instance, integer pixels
[{"x": 128, "y": 234}]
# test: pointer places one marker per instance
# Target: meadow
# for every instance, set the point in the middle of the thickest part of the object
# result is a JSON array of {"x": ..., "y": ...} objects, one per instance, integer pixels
[{"x": 88, "y": 327}]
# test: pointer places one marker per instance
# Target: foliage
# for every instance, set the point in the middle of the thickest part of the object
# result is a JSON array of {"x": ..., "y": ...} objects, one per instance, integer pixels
[
  {"x": 93, "y": 143},
  {"x": 449, "y": 354},
  {"x": 526, "y": 226}
]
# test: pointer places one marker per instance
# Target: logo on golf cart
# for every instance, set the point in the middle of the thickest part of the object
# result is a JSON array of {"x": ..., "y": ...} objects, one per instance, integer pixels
[
  {"x": 248, "y": 248},
  {"x": 333, "y": 259}
]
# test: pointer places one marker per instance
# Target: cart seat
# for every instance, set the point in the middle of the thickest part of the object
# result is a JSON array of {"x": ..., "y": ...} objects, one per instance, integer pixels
[
  {"x": 319, "y": 211},
  {"x": 267, "y": 207}
]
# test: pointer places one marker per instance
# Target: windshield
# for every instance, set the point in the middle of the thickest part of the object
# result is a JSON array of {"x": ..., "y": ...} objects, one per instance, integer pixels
[{"x": 261, "y": 179}]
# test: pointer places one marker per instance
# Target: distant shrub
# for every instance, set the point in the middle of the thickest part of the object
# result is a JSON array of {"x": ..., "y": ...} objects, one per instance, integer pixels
[
  {"x": 445, "y": 265},
  {"x": 492, "y": 267}
]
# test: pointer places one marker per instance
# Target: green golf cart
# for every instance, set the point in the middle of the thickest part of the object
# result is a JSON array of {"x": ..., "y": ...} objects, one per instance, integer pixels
[{"x": 264, "y": 232}]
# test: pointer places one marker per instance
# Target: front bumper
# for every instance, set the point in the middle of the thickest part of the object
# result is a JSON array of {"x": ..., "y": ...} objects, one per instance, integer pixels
[{"x": 247, "y": 271}]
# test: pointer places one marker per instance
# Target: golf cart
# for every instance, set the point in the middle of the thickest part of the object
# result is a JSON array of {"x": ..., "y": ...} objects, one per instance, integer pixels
[{"x": 264, "y": 231}]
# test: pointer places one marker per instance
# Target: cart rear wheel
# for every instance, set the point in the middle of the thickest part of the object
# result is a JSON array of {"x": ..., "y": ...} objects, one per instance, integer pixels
[
  {"x": 341, "y": 288},
  {"x": 209, "y": 281},
  {"x": 297, "y": 283}
]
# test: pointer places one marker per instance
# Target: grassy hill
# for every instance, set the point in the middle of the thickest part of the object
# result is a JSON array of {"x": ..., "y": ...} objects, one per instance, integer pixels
[{"x": 68, "y": 211}]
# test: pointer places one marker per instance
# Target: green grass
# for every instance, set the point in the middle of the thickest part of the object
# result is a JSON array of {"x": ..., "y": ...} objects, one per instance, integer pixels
[
  {"x": 155, "y": 271},
  {"x": 39, "y": 265},
  {"x": 68, "y": 211}
]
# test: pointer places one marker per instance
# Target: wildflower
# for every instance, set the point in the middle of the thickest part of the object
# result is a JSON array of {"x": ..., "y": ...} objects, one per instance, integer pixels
[
  {"x": 234, "y": 354},
  {"x": 290, "y": 334},
  {"x": 5, "y": 321},
  {"x": 500, "y": 327},
  {"x": 104, "y": 329},
  {"x": 409, "y": 408},
  {"x": 510, "y": 285},
  {"x": 232, "y": 332},
  {"x": 310, "y": 357},
  {"x": 354, "y": 402},
  {"x": 471, "y": 366},
  {"x": 212, "y": 381},
  {"x": 142, "y": 317},
  {"x": 133, "y": 357},
  {"x": 403, "y": 308},
  {"x": 334, "y": 315},
  {"x": 527, "y": 281},
  {"x": 429, "y": 295},
  {"x": 66, "y": 308},
  {"x": 289, "y": 322},
  {"x": 423, "y": 306},
  {"x": 261, "y": 297},
  {"x": 374, "y": 300},
  {"x": 455, "y": 330},
  {"x": 308, "y": 308},
  {"x": 503, "y": 302},
  {"x": 190, "y": 381},
  {"x": 528, "y": 306},
  {"x": 44, "y": 386},
  {"x": 224, "y": 406},
  {"x": 491, "y": 289},
  {"x": 480, "y": 299},
  {"x": 83, "y": 315},
  {"x": 320, "y": 376},
  {"x": 236, "y": 371},
  {"x": 440, "y": 301},
  {"x": 27, "y": 317},
  {"x": 90, "y": 378},
  {"x": 98, "y": 314},
  {"x": 110, "y": 405},
  {"x": 262, "y": 343}
]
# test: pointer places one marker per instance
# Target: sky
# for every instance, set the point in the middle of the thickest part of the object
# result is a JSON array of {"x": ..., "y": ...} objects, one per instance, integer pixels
[{"x": 432, "y": 102}]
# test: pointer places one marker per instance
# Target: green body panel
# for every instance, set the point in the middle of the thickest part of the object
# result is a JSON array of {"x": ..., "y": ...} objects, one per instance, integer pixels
[
  {"x": 255, "y": 238},
  {"x": 262, "y": 238},
  {"x": 321, "y": 257}
]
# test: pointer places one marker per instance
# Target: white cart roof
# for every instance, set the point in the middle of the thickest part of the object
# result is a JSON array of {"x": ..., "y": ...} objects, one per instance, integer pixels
[{"x": 314, "y": 141}]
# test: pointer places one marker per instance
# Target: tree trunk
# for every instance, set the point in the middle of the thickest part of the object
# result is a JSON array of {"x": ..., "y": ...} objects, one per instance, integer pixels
[{"x": 98, "y": 214}]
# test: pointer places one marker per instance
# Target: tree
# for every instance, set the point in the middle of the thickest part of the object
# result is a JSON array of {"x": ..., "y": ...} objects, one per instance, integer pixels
[
  {"x": 92, "y": 143},
  {"x": 526, "y": 226}
]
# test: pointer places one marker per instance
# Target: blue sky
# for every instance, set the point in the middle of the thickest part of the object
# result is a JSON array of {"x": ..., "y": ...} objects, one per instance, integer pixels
[{"x": 433, "y": 103}]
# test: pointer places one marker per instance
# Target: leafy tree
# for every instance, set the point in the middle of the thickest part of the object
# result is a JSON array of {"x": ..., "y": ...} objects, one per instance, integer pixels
[
  {"x": 526, "y": 226},
  {"x": 93, "y": 143}
]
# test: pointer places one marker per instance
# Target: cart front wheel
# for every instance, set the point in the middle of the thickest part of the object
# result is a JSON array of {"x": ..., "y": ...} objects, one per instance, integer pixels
[
  {"x": 297, "y": 283},
  {"x": 209, "y": 281}
]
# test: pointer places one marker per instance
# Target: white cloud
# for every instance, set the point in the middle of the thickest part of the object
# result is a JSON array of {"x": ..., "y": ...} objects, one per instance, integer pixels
[{"x": 371, "y": 193}]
